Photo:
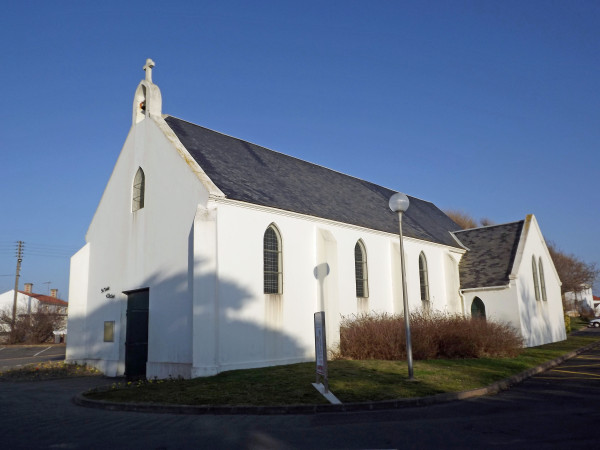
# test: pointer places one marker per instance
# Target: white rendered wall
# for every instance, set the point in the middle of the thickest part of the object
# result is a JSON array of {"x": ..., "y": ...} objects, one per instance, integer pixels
[
  {"x": 501, "y": 305},
  {"x": 149, "y": 248},
  {"x": 78, "y": 290},
  {"x": 542, "y": 321},
  {"x": 538, "y": 322},
  {"x": 254, "y": 329}
]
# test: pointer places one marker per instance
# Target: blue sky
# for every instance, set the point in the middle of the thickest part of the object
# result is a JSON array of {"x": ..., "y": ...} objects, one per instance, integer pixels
[{"x": 488, "y": 107}]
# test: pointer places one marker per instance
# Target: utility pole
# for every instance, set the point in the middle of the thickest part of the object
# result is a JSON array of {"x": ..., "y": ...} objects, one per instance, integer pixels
[{"x": 20, "y": 246}]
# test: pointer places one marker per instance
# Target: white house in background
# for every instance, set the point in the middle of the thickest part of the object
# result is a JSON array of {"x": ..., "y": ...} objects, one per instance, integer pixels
[
  {"x": 208, "y": 253},
  {"x": 29, "y": 302},
  {"x": 578, "y": 302}
]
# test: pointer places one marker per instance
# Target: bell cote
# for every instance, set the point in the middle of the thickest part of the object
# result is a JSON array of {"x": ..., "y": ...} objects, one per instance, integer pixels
[{"x": 147, "y": 100}]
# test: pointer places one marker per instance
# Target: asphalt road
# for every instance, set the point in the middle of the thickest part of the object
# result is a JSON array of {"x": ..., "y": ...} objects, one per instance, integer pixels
[
  {"x": 556, "y": 409},
  {"x": 13, "y": 356}
]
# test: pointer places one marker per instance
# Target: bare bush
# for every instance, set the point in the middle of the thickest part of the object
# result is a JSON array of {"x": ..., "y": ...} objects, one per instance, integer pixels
[
  {"x": 31, "y": 328},
  {"x": 434, "y": 335}
]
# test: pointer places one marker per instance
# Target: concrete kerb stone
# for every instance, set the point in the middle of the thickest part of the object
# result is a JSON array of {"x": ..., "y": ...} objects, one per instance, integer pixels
[{"x": 493, "y": 388}]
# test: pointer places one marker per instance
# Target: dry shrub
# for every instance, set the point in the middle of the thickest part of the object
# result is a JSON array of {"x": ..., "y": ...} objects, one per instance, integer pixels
[
  {"x": 34, "y": 328},
  {"x": 433, "y": 335}
]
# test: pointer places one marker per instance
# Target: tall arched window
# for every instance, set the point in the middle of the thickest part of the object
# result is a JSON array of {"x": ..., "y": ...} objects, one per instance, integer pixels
[
  {"x": 477, "y": 309},
  {"x": 424, "y": 280},
  {"x": 273, "y": 274},
  {"x": 542, "y": 280},
  {"x": 536, "y": 284},
  {"x": 360, "y": 270},
  {"x": 139, "y": 188}
]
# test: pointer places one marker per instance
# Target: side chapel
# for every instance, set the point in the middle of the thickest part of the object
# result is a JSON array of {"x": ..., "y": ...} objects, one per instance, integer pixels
[{"x": 209, "y": 253}]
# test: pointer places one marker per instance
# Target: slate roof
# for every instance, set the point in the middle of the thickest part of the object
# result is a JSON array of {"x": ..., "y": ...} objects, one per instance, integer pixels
[
  {"x": 257, "y": 175},
  {"x": 46, "y": 299},
  {"x": 491, "y": 254}
]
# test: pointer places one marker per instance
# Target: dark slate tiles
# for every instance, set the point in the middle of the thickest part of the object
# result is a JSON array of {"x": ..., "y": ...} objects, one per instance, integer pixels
[
  {"x": 491, "y": 254},
  {"x": 257, "y": 175}
]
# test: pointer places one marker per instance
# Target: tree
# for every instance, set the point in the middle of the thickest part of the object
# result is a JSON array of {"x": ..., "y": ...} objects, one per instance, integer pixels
[
  {"x": 575, "y": 274},
  {"x": 31, "y": 328},
  {"x": 486, "y": 222},
  {"x": 461, "y": 218},
  {"x": 466, "y": 221}
]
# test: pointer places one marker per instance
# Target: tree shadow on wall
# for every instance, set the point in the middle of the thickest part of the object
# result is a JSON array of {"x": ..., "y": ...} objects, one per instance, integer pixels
[
  {"x": 536, "y": 322},
  {"x": 232, "y": 330}
]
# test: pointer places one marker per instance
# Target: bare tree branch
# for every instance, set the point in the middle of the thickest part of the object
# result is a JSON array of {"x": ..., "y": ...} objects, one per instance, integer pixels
[{"x": 575, "y": 274}]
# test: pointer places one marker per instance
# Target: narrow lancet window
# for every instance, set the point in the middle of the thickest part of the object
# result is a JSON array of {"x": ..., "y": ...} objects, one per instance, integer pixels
[
  {"x": 424, "y": 281},
  {"x": 542, "y": 280},
  {"x": 536, "y": 284},
  {"x": 139, "y": 188},
  {"x": 273, "y": 274},
  {"x": 361, "y": 270}
]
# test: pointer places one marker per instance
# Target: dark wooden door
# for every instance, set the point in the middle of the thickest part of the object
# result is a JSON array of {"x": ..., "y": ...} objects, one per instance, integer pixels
[{"x": 136, "y": 336}]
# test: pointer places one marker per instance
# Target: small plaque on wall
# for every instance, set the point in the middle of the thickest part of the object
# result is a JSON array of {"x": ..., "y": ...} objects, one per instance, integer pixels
[{"x": 109, "y": 331}]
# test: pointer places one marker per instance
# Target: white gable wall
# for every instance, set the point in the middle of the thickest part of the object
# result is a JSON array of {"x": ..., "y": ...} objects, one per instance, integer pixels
[
  {"x": 538, "y": 322},
  {"x": 147, "y": 248},
  {"x": 541, "y": 321}
]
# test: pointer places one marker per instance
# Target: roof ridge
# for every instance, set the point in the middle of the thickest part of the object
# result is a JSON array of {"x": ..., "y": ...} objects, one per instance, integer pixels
[{"x": 489, "y": 226}]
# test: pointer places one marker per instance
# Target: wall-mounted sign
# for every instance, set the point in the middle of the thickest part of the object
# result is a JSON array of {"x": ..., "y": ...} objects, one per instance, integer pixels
[{"x": 106, "y": 289}]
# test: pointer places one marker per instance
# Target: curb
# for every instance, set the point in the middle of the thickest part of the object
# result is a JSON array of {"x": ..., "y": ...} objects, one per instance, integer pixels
[{"x": 493, "y": 388}]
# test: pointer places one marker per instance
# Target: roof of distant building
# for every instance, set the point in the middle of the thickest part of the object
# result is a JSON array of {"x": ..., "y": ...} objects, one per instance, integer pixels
[
  {"x": 491, "y": 254},
  {"x": 249, "y": 173},
  {"x": 46, "y": 299}
]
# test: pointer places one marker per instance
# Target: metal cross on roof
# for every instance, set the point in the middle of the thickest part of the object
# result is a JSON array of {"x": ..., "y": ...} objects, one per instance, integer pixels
[{"x": 148, "y": 68}]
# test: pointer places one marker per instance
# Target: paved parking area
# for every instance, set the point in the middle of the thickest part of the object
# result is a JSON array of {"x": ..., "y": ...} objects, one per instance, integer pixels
[
  {"x": 14, "y": 356},
  {"x": 582, "y": 367},
  {"x": 556, "y": 409}
]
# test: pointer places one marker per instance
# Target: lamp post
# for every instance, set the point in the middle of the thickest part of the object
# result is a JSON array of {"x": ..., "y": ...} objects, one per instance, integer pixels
[{"x": 399, "y": 203}]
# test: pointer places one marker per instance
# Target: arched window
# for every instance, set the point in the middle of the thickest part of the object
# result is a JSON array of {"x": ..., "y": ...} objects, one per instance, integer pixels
[
  {"x": 542, "y": 280},
  {"x": 536, "y": 284},
  {"x": 360, "y": 270},
  {"x": 273, "y": 274},
  {"x": 139, "y": 188},
  {"x": 424, "y": 280},
  {"x": 477, "y": 309}
]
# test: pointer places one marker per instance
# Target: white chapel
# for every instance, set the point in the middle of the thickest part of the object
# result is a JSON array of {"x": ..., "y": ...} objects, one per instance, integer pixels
[{"x": 208, "y": 253}]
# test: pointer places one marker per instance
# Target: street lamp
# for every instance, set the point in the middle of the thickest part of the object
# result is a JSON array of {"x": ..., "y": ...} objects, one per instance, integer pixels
[{"x": 399, "y": 203}]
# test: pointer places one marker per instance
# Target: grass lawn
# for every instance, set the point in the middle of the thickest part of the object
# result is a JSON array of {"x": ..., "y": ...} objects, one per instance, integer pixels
[{"x": 350, "y": 381}]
